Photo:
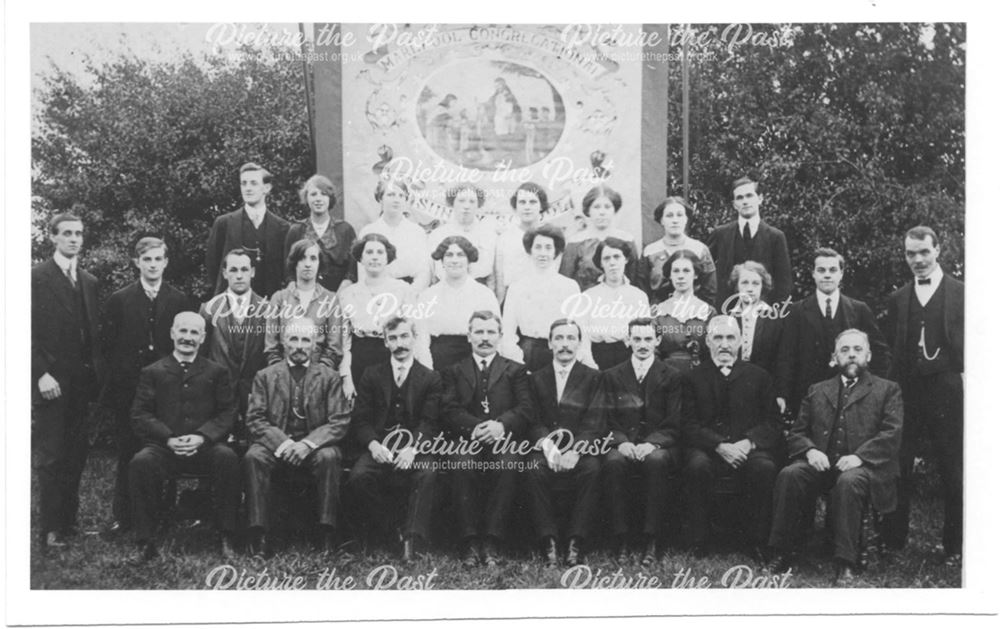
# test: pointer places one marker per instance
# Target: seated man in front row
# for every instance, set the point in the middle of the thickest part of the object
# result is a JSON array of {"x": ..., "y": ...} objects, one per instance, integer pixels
[
  {"x": 183, "y": 411},
  {"x": 296, "y": 417},
  {"x": 568, "y": 414},
  {"x": 731, "y": 428},
  {"x": 643, "y": 403},
  {"x": 396, "y": 394},
  {"x": 846, "y": 441}
]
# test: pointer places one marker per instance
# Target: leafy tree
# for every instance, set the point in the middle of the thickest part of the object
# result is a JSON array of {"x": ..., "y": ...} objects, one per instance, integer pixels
[
  {"x": 139, "y": 147},
  {"x": 857, "y": 134}
]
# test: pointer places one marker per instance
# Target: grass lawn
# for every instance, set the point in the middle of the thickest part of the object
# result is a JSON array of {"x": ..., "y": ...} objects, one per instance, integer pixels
[{"x": 188, "y": 557}]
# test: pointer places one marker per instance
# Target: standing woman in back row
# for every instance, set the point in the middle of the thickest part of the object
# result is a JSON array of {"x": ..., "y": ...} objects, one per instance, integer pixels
[
  {"x": 333, "y": 236},
  {"x": 412, "y": 262},
  {"x": 600, "y": 206},
  {"x": 673, "y": 215}
]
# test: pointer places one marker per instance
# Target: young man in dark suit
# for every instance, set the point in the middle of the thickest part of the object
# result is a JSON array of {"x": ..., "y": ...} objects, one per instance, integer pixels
[
  {"x": 926, "y": 323},
  {"x": 66, "y": 367},
  {"x": 183, "y": 412},
  {"x": 731, "y": 429},
  {"x": 235, "y": 322},
  {"x": 397, "y": 409},
  {"x": 254, "y": 228},
  {"x": 487, "y": 403},
  {"x": 750, "y": 238},
  {"x": 845, "y": 441},
  {"x": 135, "y": 332},
  {"x": 811, "y": 327},
  {"x": 566, "y": 427},
  {"x": 297, "y": 418},
  {"x": 642, "y": 399}
]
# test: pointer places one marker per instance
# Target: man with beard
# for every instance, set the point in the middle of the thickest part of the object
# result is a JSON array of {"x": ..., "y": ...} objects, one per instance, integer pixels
[
  {"x": 396, "y": 410},
  {"x": 642, "y": 410},
  {"x": 135, "y": 333},
  {"x": 486, "y": 407},
  {"x": 566, "y": 396},
  {"x": 183, "y": 412},
  {"x": 253, "y": 228},
  {"x": 731, "y": 428},
  {"x": 297, "y": 416},
  {"x": 845, "y": 441},
  {"x": 235, "y": 322}
]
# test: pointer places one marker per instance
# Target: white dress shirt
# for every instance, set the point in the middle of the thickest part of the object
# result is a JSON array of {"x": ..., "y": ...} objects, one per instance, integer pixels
[
  {"x": 754, "y": 224},
  {"x": 483, "y": 237},
  {"x": 401, "y": 370},
  {"x": 410, "y": 240},
  {"x": 256, "y": 215},
  {"x": 834, "y": 297},
  {"x": 562, "y": 376},
  {"x": 446, "y": 310},
  {"x": 151, "y": 288},
  {"x": 512, "y": 260},
  {"x": 926, "y": 291},
  {"x": 641, "y": 367},
  {"x": 533, "y": 303}
]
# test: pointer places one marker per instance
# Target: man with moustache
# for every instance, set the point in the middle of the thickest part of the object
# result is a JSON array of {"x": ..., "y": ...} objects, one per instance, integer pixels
[
  {"x": 297, "y": 417},
  {"x": 642, "y": 398},
  {"x": 487, "y": 403},
  {"x": 255, "y": 229},
  {"x": 529, "y": 202},
  {"x": 235, "y": 323},
  {"x": 845, "y": 441},
  {"x": 731, "y": 429},
  {"x": 397, "y": 409},
  {"x": 926, "y": 323},
  {"x": 66, "y": 368},
  {"x": 750, "y": 238},
  {"x": 811, "y": 327},
  {"x": 566, "y": 426},
  {"x": 183, "y": 412},
  {"x": 135, "y": 332}
]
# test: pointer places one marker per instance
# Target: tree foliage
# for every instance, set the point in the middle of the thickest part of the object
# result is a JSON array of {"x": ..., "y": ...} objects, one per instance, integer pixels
[
  {"x": 154, "y": 148},
  {"x": 856, "y": 131}
]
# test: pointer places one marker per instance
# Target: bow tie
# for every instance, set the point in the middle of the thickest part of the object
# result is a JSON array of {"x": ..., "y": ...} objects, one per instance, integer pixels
[
  {"x": 185, "y": 364},
  {"x": 726, "y": 369},
  {"x": 925, "y": 281},
  {"x": 850, "y": 382}
]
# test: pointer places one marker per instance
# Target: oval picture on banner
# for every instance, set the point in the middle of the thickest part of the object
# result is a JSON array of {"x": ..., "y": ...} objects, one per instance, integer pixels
[{"x": 490, "y": 115}]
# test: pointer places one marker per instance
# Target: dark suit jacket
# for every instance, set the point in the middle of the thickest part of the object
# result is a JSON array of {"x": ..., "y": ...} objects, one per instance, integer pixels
[
  {"x": 874, "y": 426},
  {"x": 954, "y": 321},
  {"x": 649, "y": 412},
  {"x": 807, "y": 360},
  {"x": 327, "y": 413},
  {"x": 424, "y": 389},
  {"x": 769, "y": 248},
  {"x": 579, "y": 411},
  {"x": 507, "y": 390},
  {"x": 766, "y": 352},
  {"x": 227, "y": 234},
  {"x": 753, "y": 411},
  {"x": 56, "y": 347},
  {"x": 218, "y": 342},
  {"x": 125, "y": 336},
  {"x": 170, "y": 403}
]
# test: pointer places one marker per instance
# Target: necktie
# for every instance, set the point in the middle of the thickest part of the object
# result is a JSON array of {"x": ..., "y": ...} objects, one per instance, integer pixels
[
  {"x": 850, "y": 382},
  {"x": 72, "y": 280},
  {"x": 640, "y": 376},
  {"x": 239, "y": 310},
  {"x": 726, "y": 369},
  {"x": 399, "y": 375},
  {"x": 746, "y": 232},
  {"x": 561, "y": 384},
  {"x": 829, "y": 308},
  {"x": 151, "y": 294},
  {"x": 926, "y": 281}
]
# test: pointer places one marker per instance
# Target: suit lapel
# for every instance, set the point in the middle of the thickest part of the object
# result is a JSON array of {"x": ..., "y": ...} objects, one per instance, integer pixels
[
  {"x": 550, "y": 390},
  {"x": 860, "y": 392},
  {"x": 652, "y": 376},
  {"x": 469, "y": 371},
  {"x": 497, "y": 368},
  {"x": 810, "y": 310},
  {"x": 574, "y": 379},
  {"x": 902, "y": 309},
  {"x": 61, "y": 285},
  {"x": 850, "y": 312}
]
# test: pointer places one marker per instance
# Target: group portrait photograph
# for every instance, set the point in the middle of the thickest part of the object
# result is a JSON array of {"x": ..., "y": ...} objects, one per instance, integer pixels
[{"x": 494, "y": 306}]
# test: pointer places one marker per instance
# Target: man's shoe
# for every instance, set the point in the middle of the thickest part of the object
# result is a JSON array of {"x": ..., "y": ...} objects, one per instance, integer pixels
[
  {"x": 649, "y": 556},
  {"x": 620, "y": 549},
  {"x": 409, "y": 549},
  {"x": 491, "y": 556},
  {"x": 226, "y": 546},
  {"x": 551, "y": 552},
  {"x": 574, "y": 552},
  {"x": 844, "y": 575},
  {"x": 470, "y": 553},
  {"x": 53, "y": 540},
  {"x": 781, "y": 562}
]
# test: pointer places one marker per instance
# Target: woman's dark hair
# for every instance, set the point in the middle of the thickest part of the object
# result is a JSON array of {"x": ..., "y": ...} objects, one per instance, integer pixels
[
  {"x": 452, "y": 194},
  {"x": 297, "y": 252},
  {"x": 615, "y": 243},
  {"x": 553, "y": 232},
  {"x": 358, "y": 248},
  {"x": 535, "y": 189},
  {"x": 699, "y": 268},
  {"x": 463, "y": 243},
  {"x": 658, "y": 212},
  {"x": 596, "y": 193}
]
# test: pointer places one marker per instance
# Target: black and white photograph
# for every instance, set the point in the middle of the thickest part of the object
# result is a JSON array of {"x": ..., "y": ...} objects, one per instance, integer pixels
[{"x": 498, "y": 307}]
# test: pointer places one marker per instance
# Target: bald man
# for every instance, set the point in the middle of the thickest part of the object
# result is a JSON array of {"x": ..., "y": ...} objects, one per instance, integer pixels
[{"x": 183, "y": 412}]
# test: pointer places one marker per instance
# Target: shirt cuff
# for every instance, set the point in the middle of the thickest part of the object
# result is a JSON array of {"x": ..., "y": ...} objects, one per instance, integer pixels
[{"x": 284, "y": 446}]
